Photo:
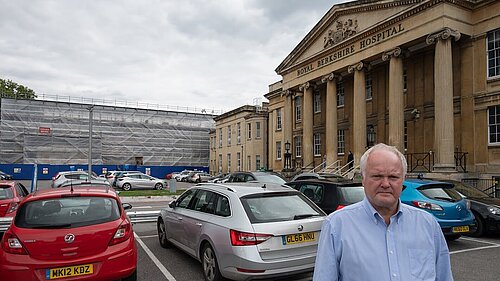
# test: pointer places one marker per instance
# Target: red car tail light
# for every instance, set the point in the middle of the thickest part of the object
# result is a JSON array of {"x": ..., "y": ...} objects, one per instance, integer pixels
[
  {"x": 427, "y": 205},
  {"x": 246, "y": 239},
  {"x": 339, "y": 207},
  {"x": 122, "y": 233},
  {"x": 12, "y": 207},
  {"x": 12, "y": 245}
]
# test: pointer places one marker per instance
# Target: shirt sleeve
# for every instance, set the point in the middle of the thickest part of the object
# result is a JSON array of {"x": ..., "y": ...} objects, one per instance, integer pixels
[
  {"x": 443, "y": 265},
  {"x": 326, "y": 266}
]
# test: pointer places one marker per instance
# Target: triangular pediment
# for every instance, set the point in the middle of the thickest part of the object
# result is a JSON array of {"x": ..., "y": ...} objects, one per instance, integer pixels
[{"x": 342, "y": 22}]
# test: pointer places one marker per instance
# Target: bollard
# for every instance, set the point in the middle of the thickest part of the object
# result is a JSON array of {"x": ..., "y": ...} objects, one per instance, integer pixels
[{"x": 172, "y": 185}]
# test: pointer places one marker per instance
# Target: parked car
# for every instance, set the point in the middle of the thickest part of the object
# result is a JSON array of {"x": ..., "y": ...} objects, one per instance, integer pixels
[
  {"x": 245, "y": 231},
  {"x": 222, "y": 178},
  {"x": 175, "y": 174},
  {"x": 140, "y": 181},
  {"x": 5, "y": 176},
  {"x": 11, "y": 194},
  {"x": 443, "y": 201},
  {"x": 200, "y": 177},
  {"x": 110, "y": 176},
  {"x": 70, "y": 233},
  {"x": 77, "y": 176},
  {"x": 184, "y": 175},
  {"x": 486, "y": 209},
  {"x": 263, "y": 177},
  {"x": 103, "y": 184},
  {"x": 121, "y": 174},
  {"x": 310, "y": 175},
  {"x": 169, "y": 176},
  {"x": 330, "y": 195}
]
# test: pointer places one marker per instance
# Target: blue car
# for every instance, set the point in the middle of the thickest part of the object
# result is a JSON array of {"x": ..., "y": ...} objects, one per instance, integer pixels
[{"x": 443, "y": 201}]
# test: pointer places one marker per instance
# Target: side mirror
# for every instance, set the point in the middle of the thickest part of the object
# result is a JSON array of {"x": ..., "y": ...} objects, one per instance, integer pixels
[
  {"x": 127, "y": 206},
  {"x": 172, "y": 204}
]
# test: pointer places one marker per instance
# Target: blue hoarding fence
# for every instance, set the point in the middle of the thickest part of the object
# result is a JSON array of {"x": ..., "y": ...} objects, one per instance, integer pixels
[{"x": 47, "y": 171}]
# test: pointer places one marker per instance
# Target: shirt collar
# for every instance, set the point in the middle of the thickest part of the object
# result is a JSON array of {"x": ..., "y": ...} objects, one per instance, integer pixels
[{"x": 374, "y": 214}]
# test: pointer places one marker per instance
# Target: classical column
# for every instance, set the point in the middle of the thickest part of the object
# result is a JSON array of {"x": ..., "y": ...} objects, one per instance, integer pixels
[
  {"x": 307, "y": 125},
  {"x": 270, "y": 141},
  {"x": 359, "y": 111},
  {"x": 287, "y": 124},
  {"x": 444, "y": 141},
  {"x": 331, "y": 117},
  {"x": 396, "y": 102}
]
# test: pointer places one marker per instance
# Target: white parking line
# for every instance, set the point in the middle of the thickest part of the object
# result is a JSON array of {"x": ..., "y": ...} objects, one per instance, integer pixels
[
  {"x": 154, "y": 259},
  {"x": 143, "y": 207},
  {"x": 149, "y": 236},
  {"x": 479, "y": 241},
  {"x": 492, "y": 245}
]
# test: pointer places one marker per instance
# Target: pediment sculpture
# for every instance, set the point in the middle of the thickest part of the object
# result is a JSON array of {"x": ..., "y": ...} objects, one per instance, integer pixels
[{"x": 342, "y": 31}]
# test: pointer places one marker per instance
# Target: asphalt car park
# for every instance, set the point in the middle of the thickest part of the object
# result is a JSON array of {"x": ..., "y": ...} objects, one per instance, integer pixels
[{"x": 471, "y": 258}]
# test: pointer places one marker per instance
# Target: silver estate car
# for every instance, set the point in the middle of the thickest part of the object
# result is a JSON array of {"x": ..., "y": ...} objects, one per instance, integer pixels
[
  {"x": 140, "y": 181},
  {"x": 244, "y": 231}
]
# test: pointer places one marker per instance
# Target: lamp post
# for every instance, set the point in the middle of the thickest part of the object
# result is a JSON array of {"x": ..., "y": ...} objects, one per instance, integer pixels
[
  {"x": 288, "y": 156},
  {"x": 90, "y": 108}
]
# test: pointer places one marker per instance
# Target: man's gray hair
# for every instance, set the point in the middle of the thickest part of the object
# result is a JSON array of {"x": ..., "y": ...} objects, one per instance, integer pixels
[{"x": 382, "y": 146}]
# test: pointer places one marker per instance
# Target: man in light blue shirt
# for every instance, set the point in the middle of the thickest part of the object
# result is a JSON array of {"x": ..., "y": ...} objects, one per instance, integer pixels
[{"x": 379, "y": 238}]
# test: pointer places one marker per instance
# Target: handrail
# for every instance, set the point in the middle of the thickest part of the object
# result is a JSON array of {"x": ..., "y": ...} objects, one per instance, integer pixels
[{"x": 353, "y": 168}]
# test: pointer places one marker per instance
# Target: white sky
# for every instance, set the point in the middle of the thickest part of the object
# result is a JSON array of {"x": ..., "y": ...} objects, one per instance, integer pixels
[{"x": 214, "y": 54}]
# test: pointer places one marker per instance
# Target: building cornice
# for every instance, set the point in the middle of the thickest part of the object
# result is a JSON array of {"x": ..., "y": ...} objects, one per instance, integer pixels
[{"x": 359, "y": 7}]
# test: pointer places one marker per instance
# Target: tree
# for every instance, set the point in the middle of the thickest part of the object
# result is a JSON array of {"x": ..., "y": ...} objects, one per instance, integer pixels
[{"x": 10, "y": 89}]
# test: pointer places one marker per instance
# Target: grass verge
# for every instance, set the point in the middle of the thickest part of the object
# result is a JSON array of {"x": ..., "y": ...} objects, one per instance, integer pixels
[{"x": 130, "y": 193}]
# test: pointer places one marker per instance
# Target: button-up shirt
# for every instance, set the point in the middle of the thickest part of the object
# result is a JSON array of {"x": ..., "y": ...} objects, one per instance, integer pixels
[{"x": 356, "y": 244}]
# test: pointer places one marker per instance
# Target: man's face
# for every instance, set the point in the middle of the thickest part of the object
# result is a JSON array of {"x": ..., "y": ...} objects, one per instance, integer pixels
[{"x": 383, "y": 180}]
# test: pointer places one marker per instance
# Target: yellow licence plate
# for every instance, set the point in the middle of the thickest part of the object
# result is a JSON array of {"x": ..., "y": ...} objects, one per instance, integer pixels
[
  {"x": 299, "y": 238},
  {"x": 461, "y": 228},
  {"x": 69, "y": 271}
]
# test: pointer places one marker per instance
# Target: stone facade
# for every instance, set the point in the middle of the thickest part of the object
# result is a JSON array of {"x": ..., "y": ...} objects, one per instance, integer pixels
[
  {"x": 239, "y": 142},
  {"x": 423, "y": 76}
]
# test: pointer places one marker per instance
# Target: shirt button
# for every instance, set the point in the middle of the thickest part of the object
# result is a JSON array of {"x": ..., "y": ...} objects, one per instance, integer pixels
[
  {"x": 394, "y": 275},
  {"x": 391, "y": 252}
]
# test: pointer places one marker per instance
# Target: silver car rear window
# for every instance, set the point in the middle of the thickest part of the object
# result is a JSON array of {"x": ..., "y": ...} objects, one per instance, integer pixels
[
  {"x": 6, "y": 193},
  {"x": 282, "y": 206},
  {"x": 67, "y": 212}
]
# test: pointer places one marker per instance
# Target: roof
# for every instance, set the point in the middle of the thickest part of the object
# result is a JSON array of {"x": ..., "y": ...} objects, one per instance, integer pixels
[
  {"x": 332, "y": 182},
  {"x": 419, "y": 182},
  {"x": 85, "y": 190},
  {"x": 247, "y": 188}
]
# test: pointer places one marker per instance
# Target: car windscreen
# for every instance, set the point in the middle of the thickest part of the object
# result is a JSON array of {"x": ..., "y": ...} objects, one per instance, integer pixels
[
  {"x": 443, "y": 192},
  {"x": 470, "y": 191},
  {"x": 67, "y": 212},
  {"x": 352, "y": 194},
  {"x": 279, "y": 206},
  {"x": 6, "y": 192}
]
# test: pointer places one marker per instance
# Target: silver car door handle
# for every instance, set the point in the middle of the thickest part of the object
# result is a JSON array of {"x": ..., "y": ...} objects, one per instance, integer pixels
[
  {"x": 199, "y": 224},
  {"x": 179, "y": 218}
]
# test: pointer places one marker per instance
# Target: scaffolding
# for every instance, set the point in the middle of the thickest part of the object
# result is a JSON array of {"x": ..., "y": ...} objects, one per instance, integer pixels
[{"x": 54, "y": 132}]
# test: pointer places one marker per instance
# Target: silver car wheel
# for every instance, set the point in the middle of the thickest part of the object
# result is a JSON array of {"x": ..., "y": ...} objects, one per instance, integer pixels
[
  {"x": 210, "y": 267},
  {"x": 126, "y": 186},
  {"x": 162, "y": 234},
  {"x": 158, "y": 186}
]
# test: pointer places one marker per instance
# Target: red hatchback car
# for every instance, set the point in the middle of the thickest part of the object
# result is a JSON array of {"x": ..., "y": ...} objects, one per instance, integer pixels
[
  {"x": 79, "y": 233},
  {"x": 11, "y": 194}
]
